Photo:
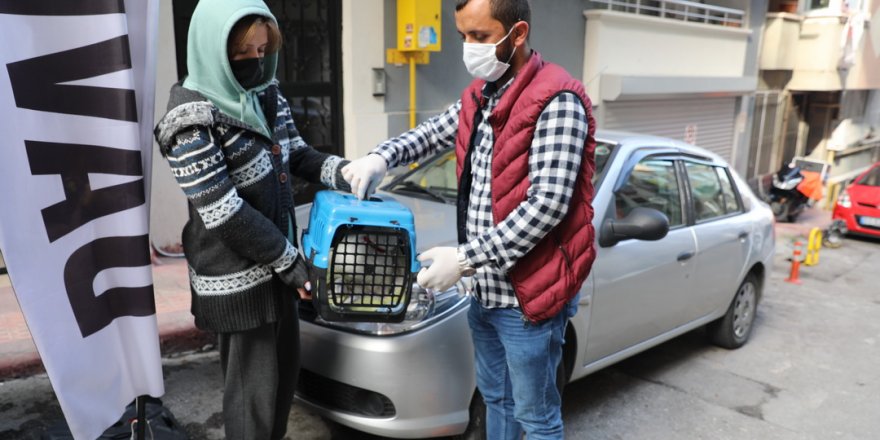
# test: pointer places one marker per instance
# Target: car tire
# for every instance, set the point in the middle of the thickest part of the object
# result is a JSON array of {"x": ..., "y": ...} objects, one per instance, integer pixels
[
  {"x": 734, "y": 328},
  {"x": 780, "y": 210},
  {"x": 476, "y": 428}
]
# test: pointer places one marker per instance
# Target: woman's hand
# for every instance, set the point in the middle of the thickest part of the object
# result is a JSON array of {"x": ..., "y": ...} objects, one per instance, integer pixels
[
  {"x": 298, "y": 276},
  {"x": 305, "y": 292}
]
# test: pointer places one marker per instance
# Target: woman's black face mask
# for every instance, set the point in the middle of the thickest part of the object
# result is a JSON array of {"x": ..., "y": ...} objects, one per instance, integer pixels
[{"x": 248, "y": 71}]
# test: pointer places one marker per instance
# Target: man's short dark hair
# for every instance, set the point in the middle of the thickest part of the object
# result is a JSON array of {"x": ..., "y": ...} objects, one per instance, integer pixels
[{"x": 508, "y": 12}]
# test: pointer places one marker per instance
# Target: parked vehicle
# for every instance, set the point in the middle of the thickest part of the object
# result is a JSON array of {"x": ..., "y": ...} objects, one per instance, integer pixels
[
  {"x": 416, "y": 379},
  {"x": 792, "y": 191},
  {"x": 858, "y": 206}
]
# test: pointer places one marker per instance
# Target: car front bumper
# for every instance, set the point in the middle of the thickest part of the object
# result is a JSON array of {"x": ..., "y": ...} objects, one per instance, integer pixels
[
  {"x": 851, "y": 216},
  {"x": 413, "y": 385}
]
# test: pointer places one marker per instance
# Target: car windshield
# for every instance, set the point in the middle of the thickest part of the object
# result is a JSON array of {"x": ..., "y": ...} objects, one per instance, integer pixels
[
  {"x": 871, "y": 178},
  {"x": 435, "y": 178}
]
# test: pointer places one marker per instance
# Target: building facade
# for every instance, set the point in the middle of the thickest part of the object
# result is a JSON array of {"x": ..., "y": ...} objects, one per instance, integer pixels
[
  {"x": 681, "y": 69},
  {"x": 819, "y": 90}
]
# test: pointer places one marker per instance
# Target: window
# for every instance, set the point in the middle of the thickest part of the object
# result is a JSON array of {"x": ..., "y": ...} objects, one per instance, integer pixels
[
  {"x": 819, "y": 4},
  {"x": 602, "y": 153},
  {"x": 435, "y": 179},
  {"x": 731, "y": 203},
  {"x": 871, "y": 178},
  {"x": 712, "y": 191},
  {"x": 652, "y": 184}
]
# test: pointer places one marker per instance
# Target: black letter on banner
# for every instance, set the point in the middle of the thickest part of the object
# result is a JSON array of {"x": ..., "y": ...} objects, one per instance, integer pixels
[
  {"x": 55, "y": 7},
  {"x": 35, "y": 81},
  {"x": 96, "y": 312},
  {"x": 74, "y": 163}
]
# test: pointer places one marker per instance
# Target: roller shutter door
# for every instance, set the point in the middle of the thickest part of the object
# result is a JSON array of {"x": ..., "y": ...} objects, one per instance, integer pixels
[{"x": 709, "y": 120}]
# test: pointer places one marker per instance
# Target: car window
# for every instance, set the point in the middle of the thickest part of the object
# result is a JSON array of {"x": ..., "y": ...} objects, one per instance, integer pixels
[
  {"x": 435, "y": 178},
  {"x": 871, "y": 178},
  {"x": 652, "y": 184},
  {"x": 712, "y": 191},
  {"x": 602, "y": 153},
  {"x": 731, "y": 203}
]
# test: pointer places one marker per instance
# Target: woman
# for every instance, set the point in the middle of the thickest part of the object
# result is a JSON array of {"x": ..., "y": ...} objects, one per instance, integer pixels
[{"x": 232, "y": 146}]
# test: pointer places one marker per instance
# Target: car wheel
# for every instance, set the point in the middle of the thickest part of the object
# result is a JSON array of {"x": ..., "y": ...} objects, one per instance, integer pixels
[
  {"x": 780, "y": 210},
  {"x": 733, "y": 329},
  {"x": 476, "y": 428},
  {"x": 561, "y": 376}
]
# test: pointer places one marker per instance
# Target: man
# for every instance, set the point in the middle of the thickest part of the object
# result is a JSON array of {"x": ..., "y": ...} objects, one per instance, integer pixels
[{"x": 523, "y": 134}]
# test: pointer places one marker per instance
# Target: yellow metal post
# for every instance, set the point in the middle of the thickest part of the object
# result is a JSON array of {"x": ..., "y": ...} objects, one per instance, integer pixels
[
  {"x": 418, "y": 34},
  {"x": 412, "y": 91},
  {"x": 831, "y": 193},
  {"x": 813, "y": 246}
]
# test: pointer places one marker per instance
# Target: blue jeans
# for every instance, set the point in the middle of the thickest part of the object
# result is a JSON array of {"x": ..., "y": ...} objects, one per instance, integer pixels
[{"x": 516, "y": 364}]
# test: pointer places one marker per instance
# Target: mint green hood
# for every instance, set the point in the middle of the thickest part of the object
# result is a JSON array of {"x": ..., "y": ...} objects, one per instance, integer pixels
[{"x": 208, "y": 64}]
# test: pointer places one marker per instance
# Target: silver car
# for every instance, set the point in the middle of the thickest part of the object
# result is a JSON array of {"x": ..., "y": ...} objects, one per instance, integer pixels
[{"x": 681, "y": 241}]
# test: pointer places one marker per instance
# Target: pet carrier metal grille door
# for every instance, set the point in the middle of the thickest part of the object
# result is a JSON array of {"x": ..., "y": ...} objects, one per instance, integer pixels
[{"x": 363, "y": 258}]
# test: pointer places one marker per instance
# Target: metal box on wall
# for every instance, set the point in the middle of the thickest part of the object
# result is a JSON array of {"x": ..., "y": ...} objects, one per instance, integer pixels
[{"x": 418, "y": 25}]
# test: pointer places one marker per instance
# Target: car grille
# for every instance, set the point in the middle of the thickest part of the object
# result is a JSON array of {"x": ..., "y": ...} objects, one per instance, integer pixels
[{"x": 342, "y": 397}]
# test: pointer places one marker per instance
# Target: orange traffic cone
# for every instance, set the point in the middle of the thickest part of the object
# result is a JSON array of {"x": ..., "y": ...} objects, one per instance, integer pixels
[{"x": 795, "y": 264}]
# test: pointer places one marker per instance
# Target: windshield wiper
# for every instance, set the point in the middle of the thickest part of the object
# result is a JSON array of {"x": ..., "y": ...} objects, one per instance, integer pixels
[{"x": 407, "y": 185}]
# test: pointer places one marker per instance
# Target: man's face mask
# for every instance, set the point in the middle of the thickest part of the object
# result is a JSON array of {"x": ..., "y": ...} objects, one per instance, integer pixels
[
  {"x": 248, "y": 71},
  {"x": 481, "y": 62}
]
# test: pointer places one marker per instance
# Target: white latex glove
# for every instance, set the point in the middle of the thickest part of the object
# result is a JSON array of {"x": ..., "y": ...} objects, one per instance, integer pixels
[
  {"x": 365, "y": 174},
  {"x": 444, "y": 270}
]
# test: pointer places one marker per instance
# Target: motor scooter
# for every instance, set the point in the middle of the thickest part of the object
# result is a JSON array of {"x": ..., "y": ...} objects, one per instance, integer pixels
[{"x": 793, "y": 190}]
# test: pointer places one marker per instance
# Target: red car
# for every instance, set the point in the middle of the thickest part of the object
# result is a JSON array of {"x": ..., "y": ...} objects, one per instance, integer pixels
[{"x": 859, "y": 204}]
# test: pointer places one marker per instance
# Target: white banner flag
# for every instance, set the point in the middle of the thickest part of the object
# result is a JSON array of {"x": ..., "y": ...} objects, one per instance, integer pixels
[{"x": 76, "y": 111}]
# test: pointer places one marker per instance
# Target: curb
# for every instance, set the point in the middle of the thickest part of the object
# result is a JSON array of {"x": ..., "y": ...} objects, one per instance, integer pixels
[{"x": 25, "y": 361}]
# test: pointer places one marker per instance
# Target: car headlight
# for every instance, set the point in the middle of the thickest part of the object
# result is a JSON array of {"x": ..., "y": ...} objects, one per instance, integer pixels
[
  {"x": 425, "y": 307},
  {"x": 844, "y": 201}
]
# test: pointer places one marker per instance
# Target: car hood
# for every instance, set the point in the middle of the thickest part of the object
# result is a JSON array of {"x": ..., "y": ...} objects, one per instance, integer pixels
[
  {"x": 869, "y": 195},
  {"x": 435, "y": 222}
]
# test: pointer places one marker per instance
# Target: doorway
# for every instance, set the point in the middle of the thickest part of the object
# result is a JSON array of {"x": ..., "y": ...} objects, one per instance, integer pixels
[{"x": 309, "y": 70}]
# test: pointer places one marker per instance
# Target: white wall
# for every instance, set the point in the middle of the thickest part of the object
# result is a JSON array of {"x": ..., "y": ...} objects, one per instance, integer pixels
[
  {"x": 780, "y": 37},
  {"x": 625, "y": 44},
  {"x": 168, "y": 211},
  {"x": 363, "y": 48},
  {"x": 819, "y": 52}
]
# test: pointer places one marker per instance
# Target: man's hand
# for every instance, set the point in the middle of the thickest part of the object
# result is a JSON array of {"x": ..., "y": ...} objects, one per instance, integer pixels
[
  {"x": 365, "y": 174},
  {"x": 443, "y": 272}
]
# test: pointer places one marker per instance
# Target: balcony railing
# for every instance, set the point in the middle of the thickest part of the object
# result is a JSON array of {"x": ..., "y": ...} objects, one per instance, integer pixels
[{"x": 678, "y": 10}]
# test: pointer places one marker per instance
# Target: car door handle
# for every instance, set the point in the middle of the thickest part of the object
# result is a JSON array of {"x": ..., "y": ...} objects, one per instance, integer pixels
[
  {"x": 684, "y": 256},
  {"x": 743, "y": 235}
]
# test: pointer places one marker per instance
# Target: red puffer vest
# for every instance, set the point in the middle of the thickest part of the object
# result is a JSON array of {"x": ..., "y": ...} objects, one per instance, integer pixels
[{"x": 552, "y": 272}]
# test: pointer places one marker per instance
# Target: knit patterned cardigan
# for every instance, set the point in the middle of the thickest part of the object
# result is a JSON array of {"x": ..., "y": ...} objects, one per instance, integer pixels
[{"x": 241, "y": 231}]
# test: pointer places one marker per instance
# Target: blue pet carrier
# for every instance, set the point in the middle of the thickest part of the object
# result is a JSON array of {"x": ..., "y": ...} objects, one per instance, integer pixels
[{"x": 363, "y": 257}]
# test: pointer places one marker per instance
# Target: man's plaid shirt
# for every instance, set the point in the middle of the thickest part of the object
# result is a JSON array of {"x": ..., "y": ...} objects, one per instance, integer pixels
[{"x": 554, "y": 161}]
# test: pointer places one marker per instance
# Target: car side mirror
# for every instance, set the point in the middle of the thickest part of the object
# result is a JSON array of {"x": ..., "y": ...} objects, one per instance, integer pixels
[{"x": 641, "y": 223}]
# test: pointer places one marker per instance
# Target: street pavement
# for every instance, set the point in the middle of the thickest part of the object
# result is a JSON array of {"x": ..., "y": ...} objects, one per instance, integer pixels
[{"x": 809, "y": 371}]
